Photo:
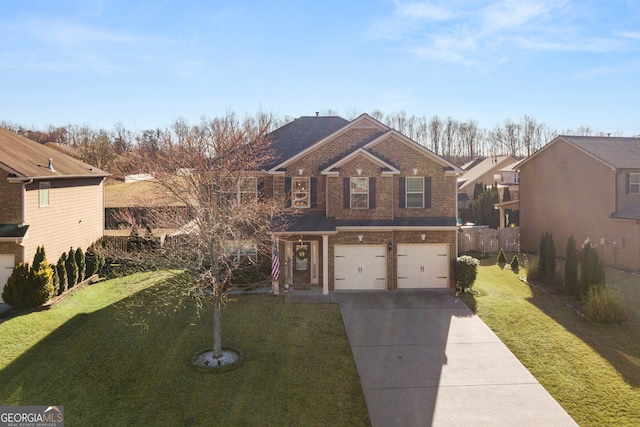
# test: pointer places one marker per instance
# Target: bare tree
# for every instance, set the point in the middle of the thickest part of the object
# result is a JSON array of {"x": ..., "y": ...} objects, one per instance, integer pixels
[
  {"x": 213, "y": 184},
  {"x": 435, "y": 133}
]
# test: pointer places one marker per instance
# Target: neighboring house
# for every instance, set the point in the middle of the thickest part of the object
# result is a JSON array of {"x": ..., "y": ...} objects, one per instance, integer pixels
[
  {"x": 588, "y": 187},
  {"x": 487, "y": 171},
  {"x": 374, "y": 209},
  {"x": 48, "y": 198}
]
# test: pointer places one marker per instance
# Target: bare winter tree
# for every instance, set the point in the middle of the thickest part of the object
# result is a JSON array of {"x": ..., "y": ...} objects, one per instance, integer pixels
[
  {"x": 435, "y": 134},
  {"x": 210, "y": 176}
]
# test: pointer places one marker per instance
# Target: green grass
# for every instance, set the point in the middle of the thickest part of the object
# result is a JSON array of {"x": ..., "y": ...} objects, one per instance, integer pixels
[
  {"x": 592, "y": 370},
  {"x": 110, "y": 358}
]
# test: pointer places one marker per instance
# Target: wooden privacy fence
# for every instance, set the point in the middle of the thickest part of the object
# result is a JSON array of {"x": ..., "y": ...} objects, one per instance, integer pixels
[{"x": 488, "y": 240}]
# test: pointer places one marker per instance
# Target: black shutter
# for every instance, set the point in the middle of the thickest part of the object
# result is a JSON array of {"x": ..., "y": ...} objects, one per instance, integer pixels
[
  {"x": 401, "y": 192},
  {"x": 372, "y": 193},
  {"x": 287, "y": 190},
  {"x": 261, "y": 188},
  {"x": 346, "y": 193},
  {"x": 427, "y": 191},
  {"x": 314, "y": 191}
]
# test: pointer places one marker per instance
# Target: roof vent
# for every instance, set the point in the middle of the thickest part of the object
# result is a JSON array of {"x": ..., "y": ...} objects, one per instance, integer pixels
[
  {"x": 50, "y": 167},
  {"x": 317, "y": 113}
]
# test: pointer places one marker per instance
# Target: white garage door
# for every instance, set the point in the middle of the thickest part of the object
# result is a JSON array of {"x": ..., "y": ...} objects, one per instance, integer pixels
[
  {"x": 360, "y": 267},
  {"x": 423, "y": 265},
  {"x": 6, "y": 268}
]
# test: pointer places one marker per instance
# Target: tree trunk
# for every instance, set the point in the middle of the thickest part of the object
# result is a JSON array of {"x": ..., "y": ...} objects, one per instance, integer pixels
[{"x": 217, "y": 333}]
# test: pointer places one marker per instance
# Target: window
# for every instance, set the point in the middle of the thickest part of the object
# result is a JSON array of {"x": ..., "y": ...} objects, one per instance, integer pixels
[
  {"x": 360, "y": 193},
  {"x": 415, "y": 192},
  {"x": 243, "y": 191},
  {"x": 301, "y": 192},
  {"x": 43, "y": 192},
  {"x": 634, "y": 183},
  {"x": 240, "y": 250}
]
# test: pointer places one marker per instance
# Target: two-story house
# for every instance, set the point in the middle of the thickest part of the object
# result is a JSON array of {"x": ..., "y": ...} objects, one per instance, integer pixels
[
  {"x": 46, "y": 198},
  {"x": 373, "y": 209},
  {"x": 586, "y": 186}
]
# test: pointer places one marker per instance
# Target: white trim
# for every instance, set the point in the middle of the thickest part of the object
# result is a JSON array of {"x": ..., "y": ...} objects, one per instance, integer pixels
[
  {"x": 325, "y": 264},
  {"x": 304, "y": 233},
  {"x": 353, "y": 124},
  {"x": 355, "y": 153}
]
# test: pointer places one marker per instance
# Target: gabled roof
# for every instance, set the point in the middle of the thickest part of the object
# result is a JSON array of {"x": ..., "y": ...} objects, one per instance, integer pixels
[
  {"x": 472, "y": 175},
  {"x": 388, "y": 168},
  {"x": 293, "y": 149},
  {"x": 26, "y": 159},
  {"x": 300, "y": 134},
  {"x": 616, "y": 152},
  {"x": 394, "y": 133}
]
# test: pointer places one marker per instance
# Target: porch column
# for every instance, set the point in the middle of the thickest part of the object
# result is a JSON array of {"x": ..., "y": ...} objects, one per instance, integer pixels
[
  {"x": 502, "y": 225},
  {"x": 325, "y": 264}
]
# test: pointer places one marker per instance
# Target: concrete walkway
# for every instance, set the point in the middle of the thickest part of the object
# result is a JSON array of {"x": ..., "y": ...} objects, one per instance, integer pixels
[{"x": 425, "y": 359}]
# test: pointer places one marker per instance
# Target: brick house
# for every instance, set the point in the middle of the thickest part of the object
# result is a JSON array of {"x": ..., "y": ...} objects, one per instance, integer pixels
[
  {"x": 374, "y": 209},
  {"x": 586, "y": 186},
  {"x": 47, "y": 198}
]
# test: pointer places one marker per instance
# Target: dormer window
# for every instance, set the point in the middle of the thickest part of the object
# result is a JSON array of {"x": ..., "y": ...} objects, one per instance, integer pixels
[{"x": 301, "y": 191}]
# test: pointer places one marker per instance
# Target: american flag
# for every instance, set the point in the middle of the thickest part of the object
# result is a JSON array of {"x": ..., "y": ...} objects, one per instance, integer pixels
[{"x": 275, "y": 263}]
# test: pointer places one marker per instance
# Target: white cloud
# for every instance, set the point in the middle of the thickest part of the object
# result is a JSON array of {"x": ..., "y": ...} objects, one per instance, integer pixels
[{"x": 422, "y": 11}]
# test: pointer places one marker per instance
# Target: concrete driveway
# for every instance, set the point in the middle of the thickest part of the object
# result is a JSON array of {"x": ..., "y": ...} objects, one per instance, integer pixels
[{"x": 425, "y": 359}]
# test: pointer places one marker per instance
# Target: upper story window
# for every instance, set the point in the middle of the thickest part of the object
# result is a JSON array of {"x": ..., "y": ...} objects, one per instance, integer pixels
[
  {"x": 415, "y": 192},
  {"x": 43, "y": 193},
  {"x": 359, "y": 193},
  {"x": 242, "y": 191},
  {"x": 301, "y": 193},
  {"x": 634, "y": 183}
]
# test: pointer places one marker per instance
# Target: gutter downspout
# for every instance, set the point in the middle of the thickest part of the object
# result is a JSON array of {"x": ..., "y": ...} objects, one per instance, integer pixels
[{"x": 24, "y": 216}]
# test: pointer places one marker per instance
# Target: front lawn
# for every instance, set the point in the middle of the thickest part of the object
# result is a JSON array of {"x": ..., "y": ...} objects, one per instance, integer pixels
[
  {"x": 592, "y": 370},
  {"x": 119, "y": 363}
]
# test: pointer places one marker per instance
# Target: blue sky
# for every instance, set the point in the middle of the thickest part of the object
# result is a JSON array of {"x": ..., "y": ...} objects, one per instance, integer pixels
[{"x": 146, "y": 63}]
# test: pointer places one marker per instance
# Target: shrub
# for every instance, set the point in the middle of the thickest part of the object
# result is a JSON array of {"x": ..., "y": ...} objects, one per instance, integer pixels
[
  {"x": 80, "y": 262},
  {"x": 515, "y": 263},
  {"x": 533, "y": 271},
  {"x": 466, "y": 271},
  {"x": 55, "y": 280},
  {"x": 502, "y": 258},
  {"x": 91, "y": 261},
  {"x": 542, "y": 255},
  {"x": 62, "y": 274},
  {"x": 72, "y": 269},
  {"x": 591, "y": 268},
  {"x": 547, "y": 260},
  {"x": 30, "y": 287},
  {"x": 605, "y": 305},
  {"x": 571, "y": 268}
]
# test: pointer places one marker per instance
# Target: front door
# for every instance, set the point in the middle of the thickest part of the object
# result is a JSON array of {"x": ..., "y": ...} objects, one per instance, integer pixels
[{"x": 302, "y": 263}]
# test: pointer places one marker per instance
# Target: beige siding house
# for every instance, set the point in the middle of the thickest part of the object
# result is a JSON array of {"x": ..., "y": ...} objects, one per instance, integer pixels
[
  {"x": 588, "y": 187},
  {"x": 374, "y": 209},
  {"x": 46, "y": 198}
]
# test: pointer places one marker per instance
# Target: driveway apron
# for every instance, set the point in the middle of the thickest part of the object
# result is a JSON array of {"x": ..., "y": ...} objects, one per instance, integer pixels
[{"x": 425, "y": 359}]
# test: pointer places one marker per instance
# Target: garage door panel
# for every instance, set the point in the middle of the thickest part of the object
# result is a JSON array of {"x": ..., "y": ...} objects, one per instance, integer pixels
[
  {"x": 360, "y": 267},
  {"x": 423, "y": 265}
]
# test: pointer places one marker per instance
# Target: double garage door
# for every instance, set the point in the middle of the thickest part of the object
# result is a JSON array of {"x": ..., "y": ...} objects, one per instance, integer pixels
[{"x": 359, "y": 267}]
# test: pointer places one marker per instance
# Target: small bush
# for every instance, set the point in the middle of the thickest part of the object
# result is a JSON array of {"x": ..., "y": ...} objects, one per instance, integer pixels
[
  {"x": 30, "y": 287},
  {"x": 62, "y": 274},
  {"x": 533, "y": 272},
  {"x": 605, "y": 305},
  {"x": 91, "y": 261},
  {"x": 466, "y": 271},
  {"x": 591, "y": 268},
  {"x": 55, "y": 280},
  {"x": 72, "y": 269},
  {"x": 515, "y": 263},
  {"x": 502, "y": 258},
  {"x": 80, "y": 262},
  {"x": 571, "y": 268}
]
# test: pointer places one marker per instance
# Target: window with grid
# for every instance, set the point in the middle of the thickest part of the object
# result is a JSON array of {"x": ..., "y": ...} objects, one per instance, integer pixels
[
  {"x": 301, "y": 192},
  {"x": 359, "y": 193},
  {"x": 415, "y": 192}
]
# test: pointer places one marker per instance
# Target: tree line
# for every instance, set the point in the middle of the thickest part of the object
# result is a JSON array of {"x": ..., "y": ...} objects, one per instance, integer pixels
[{"x": 455, "y": 140}]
